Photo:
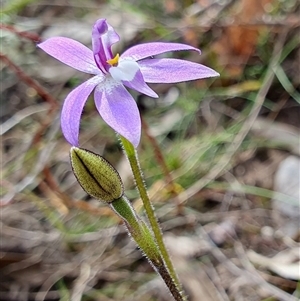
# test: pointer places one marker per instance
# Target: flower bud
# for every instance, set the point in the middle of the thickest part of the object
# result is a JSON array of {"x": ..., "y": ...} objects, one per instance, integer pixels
[{"x": 96, "y": 176}]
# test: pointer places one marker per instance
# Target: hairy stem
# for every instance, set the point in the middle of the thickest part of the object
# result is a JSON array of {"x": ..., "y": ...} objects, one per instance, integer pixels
[
  {"x": 144, "y": 239},
  {"x": 134, "y": 163}
]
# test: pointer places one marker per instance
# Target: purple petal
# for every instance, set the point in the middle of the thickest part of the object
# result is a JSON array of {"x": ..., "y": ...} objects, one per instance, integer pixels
[
  {"x": 73, "y": 107},
  {"x": 119, "y": 110},
  {"x": 173, "y": 70},
  {"x": 146, "y": 50},
  {"x": 103, "y": 37},
  {"x": 139, "y": 85},
  {"x": 71, "y": 53}
]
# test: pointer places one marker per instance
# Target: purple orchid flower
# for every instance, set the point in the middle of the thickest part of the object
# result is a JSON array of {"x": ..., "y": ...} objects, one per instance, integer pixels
[{"x": 111, "y": 73}]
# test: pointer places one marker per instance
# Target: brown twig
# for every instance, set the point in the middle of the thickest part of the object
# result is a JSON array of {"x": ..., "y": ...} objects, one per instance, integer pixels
[
  {"x": 30, "y": 82},
  {"x": 161, "y": 161},
  {"x": 40, "y": 91},
  {"x": 23, "y": 34}
]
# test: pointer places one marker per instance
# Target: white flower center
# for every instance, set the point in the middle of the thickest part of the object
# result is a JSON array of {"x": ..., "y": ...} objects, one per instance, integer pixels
[{"x": 125, "y": 70}]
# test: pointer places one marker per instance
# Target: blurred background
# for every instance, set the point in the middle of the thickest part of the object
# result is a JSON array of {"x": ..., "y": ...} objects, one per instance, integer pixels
[{"x": 220, "y": 156}]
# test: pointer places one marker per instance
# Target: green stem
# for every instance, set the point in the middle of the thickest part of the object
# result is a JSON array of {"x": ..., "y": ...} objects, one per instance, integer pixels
[
  {"x": 134, "y": 163},
  {"x": 144, "y": 239}
]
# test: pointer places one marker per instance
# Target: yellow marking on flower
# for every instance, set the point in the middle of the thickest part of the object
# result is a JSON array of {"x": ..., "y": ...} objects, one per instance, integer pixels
[{"x": 114, "y": 62}]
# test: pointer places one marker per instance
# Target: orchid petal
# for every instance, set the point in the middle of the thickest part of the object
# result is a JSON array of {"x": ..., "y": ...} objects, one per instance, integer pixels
[
  {"x": 146, "y": 50},
  {"x": 119, "y": 110},
  {"x": 71, "y": 53},
  {"x": 138, "y": 84},
  {"x": 126, "y": 70},
  {"x": 73, "y": 107},
  {"x": 103, "y": 37},
  {"x": 173, "y": 70}
]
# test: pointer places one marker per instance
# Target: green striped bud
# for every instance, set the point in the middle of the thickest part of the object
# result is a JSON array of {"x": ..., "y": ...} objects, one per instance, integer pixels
[{"x": 96, "y": 176}]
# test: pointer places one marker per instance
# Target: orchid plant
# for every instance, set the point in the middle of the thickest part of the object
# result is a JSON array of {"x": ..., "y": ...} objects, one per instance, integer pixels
[{"x": 112, "y": 73}]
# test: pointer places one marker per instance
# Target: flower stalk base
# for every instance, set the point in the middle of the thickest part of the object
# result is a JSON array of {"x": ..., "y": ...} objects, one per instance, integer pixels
[{"x": 144, "y": 239}]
